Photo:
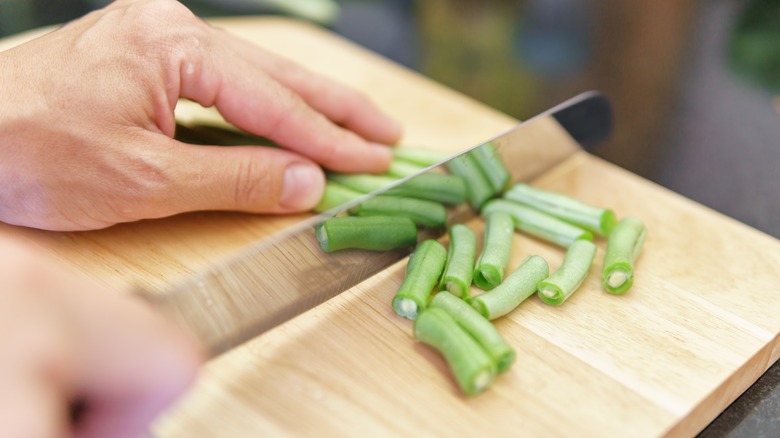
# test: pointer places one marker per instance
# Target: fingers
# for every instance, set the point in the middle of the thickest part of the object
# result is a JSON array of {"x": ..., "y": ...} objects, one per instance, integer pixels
[
  {"x": 168, "y": 177},
  {"x": 135, "y": 366},
  {"x": 248, "y": 178},
  {"x": 252, "y": 100},
  {"x": 339, "y": 103},
  {"x": 37, "y": 350},
  {"x": 30, "y": 408},
  {"x": 238, "y": 178},
  {"x": 33, "y": 380},
  {"x": 66, "y": 337},
  {"x": 73, "y": 340}
]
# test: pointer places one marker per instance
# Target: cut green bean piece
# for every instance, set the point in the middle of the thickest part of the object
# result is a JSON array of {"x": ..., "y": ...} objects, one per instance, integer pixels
[
  {"x": 478, "y": 189},
  {"x": 334, "y": 195},
  {"x": 596, "y": 220},
  {"x": 474, "y": 370},
  {"x": 438, "y": 187},
  {"x": 422, "y": 275},
  {"x": 476, "y": 325},
  {"x": 539, "y": 224},
  {"x": 558, "y": 287},
  {"x": 432, "y": 186},
  {"x": 517, "y": 286},
  {"x": 492, "y": 166},
  {"x": 424, "y": 213},
  {"x": 623, "y": 247},
  {"x": 496, "y": 250},
  {"x": 362, "y": 182},
  {"x": 400, "y": 169},
  {"x": 459, "y": 269},
  {"x": 419, "y": 156},
  {"x": 376, "y": 233}
]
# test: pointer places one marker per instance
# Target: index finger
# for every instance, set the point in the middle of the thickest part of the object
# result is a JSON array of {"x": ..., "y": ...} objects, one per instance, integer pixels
[
  {"x": 339, "y": 103},
  {"x": 249, "y": 98}
]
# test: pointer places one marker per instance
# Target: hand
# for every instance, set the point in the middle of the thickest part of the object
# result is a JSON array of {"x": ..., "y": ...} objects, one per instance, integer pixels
[
  {"x": 87, "y": 120},
  {"x": 64, "y": 339}
]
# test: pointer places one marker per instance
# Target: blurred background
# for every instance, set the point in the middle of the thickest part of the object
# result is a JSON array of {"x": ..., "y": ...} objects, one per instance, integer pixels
[{"x": 695, "y": 86}]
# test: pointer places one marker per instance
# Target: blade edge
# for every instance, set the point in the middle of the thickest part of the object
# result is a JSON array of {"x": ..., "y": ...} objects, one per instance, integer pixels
[{"x": 228, "y": 304}]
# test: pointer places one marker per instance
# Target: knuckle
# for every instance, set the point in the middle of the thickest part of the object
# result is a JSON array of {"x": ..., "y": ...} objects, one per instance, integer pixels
[
  {"x": 138, "y": 192},
  {"x": 152, "y": 13},
  {"x": 341, "y": 146},
  {"x": 255, "y": 187},
  {"x": 343, "y": 103},
  {"x": 328, "y": 154},
  {"x": 161, "y": 28},
  {"x": 298, "y": 75},
  {"x": 135, "y": 187},
  {"x": 286, "y": 105},
  {"x": 352, "y": 98}
]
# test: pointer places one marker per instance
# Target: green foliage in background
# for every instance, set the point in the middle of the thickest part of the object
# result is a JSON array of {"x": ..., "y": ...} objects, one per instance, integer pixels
[{"x": 754, "y": 46}]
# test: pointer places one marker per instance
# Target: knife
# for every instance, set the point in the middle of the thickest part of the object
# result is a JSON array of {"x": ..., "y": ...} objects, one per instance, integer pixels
[{"x": 286, "y": 274}]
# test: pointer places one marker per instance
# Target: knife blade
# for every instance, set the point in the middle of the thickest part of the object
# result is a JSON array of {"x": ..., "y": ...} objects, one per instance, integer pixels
[{"x": 286, "y": 274}]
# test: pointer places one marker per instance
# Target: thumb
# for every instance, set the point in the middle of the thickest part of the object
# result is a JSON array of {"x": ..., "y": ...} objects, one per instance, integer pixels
[{"x": 244, "y": 178}]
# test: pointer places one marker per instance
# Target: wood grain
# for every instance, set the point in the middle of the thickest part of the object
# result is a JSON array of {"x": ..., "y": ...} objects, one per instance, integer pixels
[{"x": 699, "y": 326}]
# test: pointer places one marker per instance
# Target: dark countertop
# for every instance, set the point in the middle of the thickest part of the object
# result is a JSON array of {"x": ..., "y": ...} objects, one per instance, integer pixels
[{"x": 684, "y": 118}]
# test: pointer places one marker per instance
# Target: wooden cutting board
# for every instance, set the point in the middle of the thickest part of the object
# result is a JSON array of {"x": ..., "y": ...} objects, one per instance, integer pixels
[{"x": 700, "y": 325}]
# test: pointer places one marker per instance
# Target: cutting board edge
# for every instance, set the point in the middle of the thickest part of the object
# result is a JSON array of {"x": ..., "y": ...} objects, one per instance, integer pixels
[{"x": 728, "y": 391}]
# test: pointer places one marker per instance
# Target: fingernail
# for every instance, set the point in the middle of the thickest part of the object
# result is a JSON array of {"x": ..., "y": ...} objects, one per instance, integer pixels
[{"x": 302, "y": 187}]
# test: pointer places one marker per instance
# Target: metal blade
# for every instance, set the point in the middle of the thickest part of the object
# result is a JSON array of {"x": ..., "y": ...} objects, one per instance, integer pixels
[{"x": 286, "y": 274}]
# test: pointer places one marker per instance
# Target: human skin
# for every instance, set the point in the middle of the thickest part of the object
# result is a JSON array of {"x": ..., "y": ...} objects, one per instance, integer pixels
[
  {"x": 65, "y": 339},
  {"x": 88, "y": 117},
  {"x": 86, "y": 126}
]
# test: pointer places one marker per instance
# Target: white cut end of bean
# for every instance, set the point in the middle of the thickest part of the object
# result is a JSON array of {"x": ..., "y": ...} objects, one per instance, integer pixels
[
  {"x": 453, "y": 288},
  {"x": 322, "y": 236},
  {"x": 482, "y": 381},
  {"x": 549, "y": 293},
  {"x": 408, "y": 307},
  {"x": 616, "y": 279}
]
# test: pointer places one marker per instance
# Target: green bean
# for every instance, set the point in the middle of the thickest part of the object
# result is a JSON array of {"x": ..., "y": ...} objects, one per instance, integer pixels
[
  {"x": 459, "y": 269},
  {"x": 362, "y": 182},
  {"x": 422, "y": 274},
  {"x": 424, "y": 213},
  {"x": 596, "y": 220},
  {"x": 538, "y": 224},
  {"x": 478, "y": 189},
  {"x": 205, "y": 133},
  {"x": 433, "y": 186},
  {"x": 473, "y": 369},
  {"x": 376, "y": 233},
  {"x": 334, "y": 195},
  {"x": 623, "y": 247},
  {"x": 401, "y": 169},
  {"x": 478, "y": 327},
  {"x": 492, "y": 166},
  {"x": 517, "y": 286},
  {"x": 496, "y": 249},
  {"x": 558, "y": 287},
  {"x": 419, "y": 156}
]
